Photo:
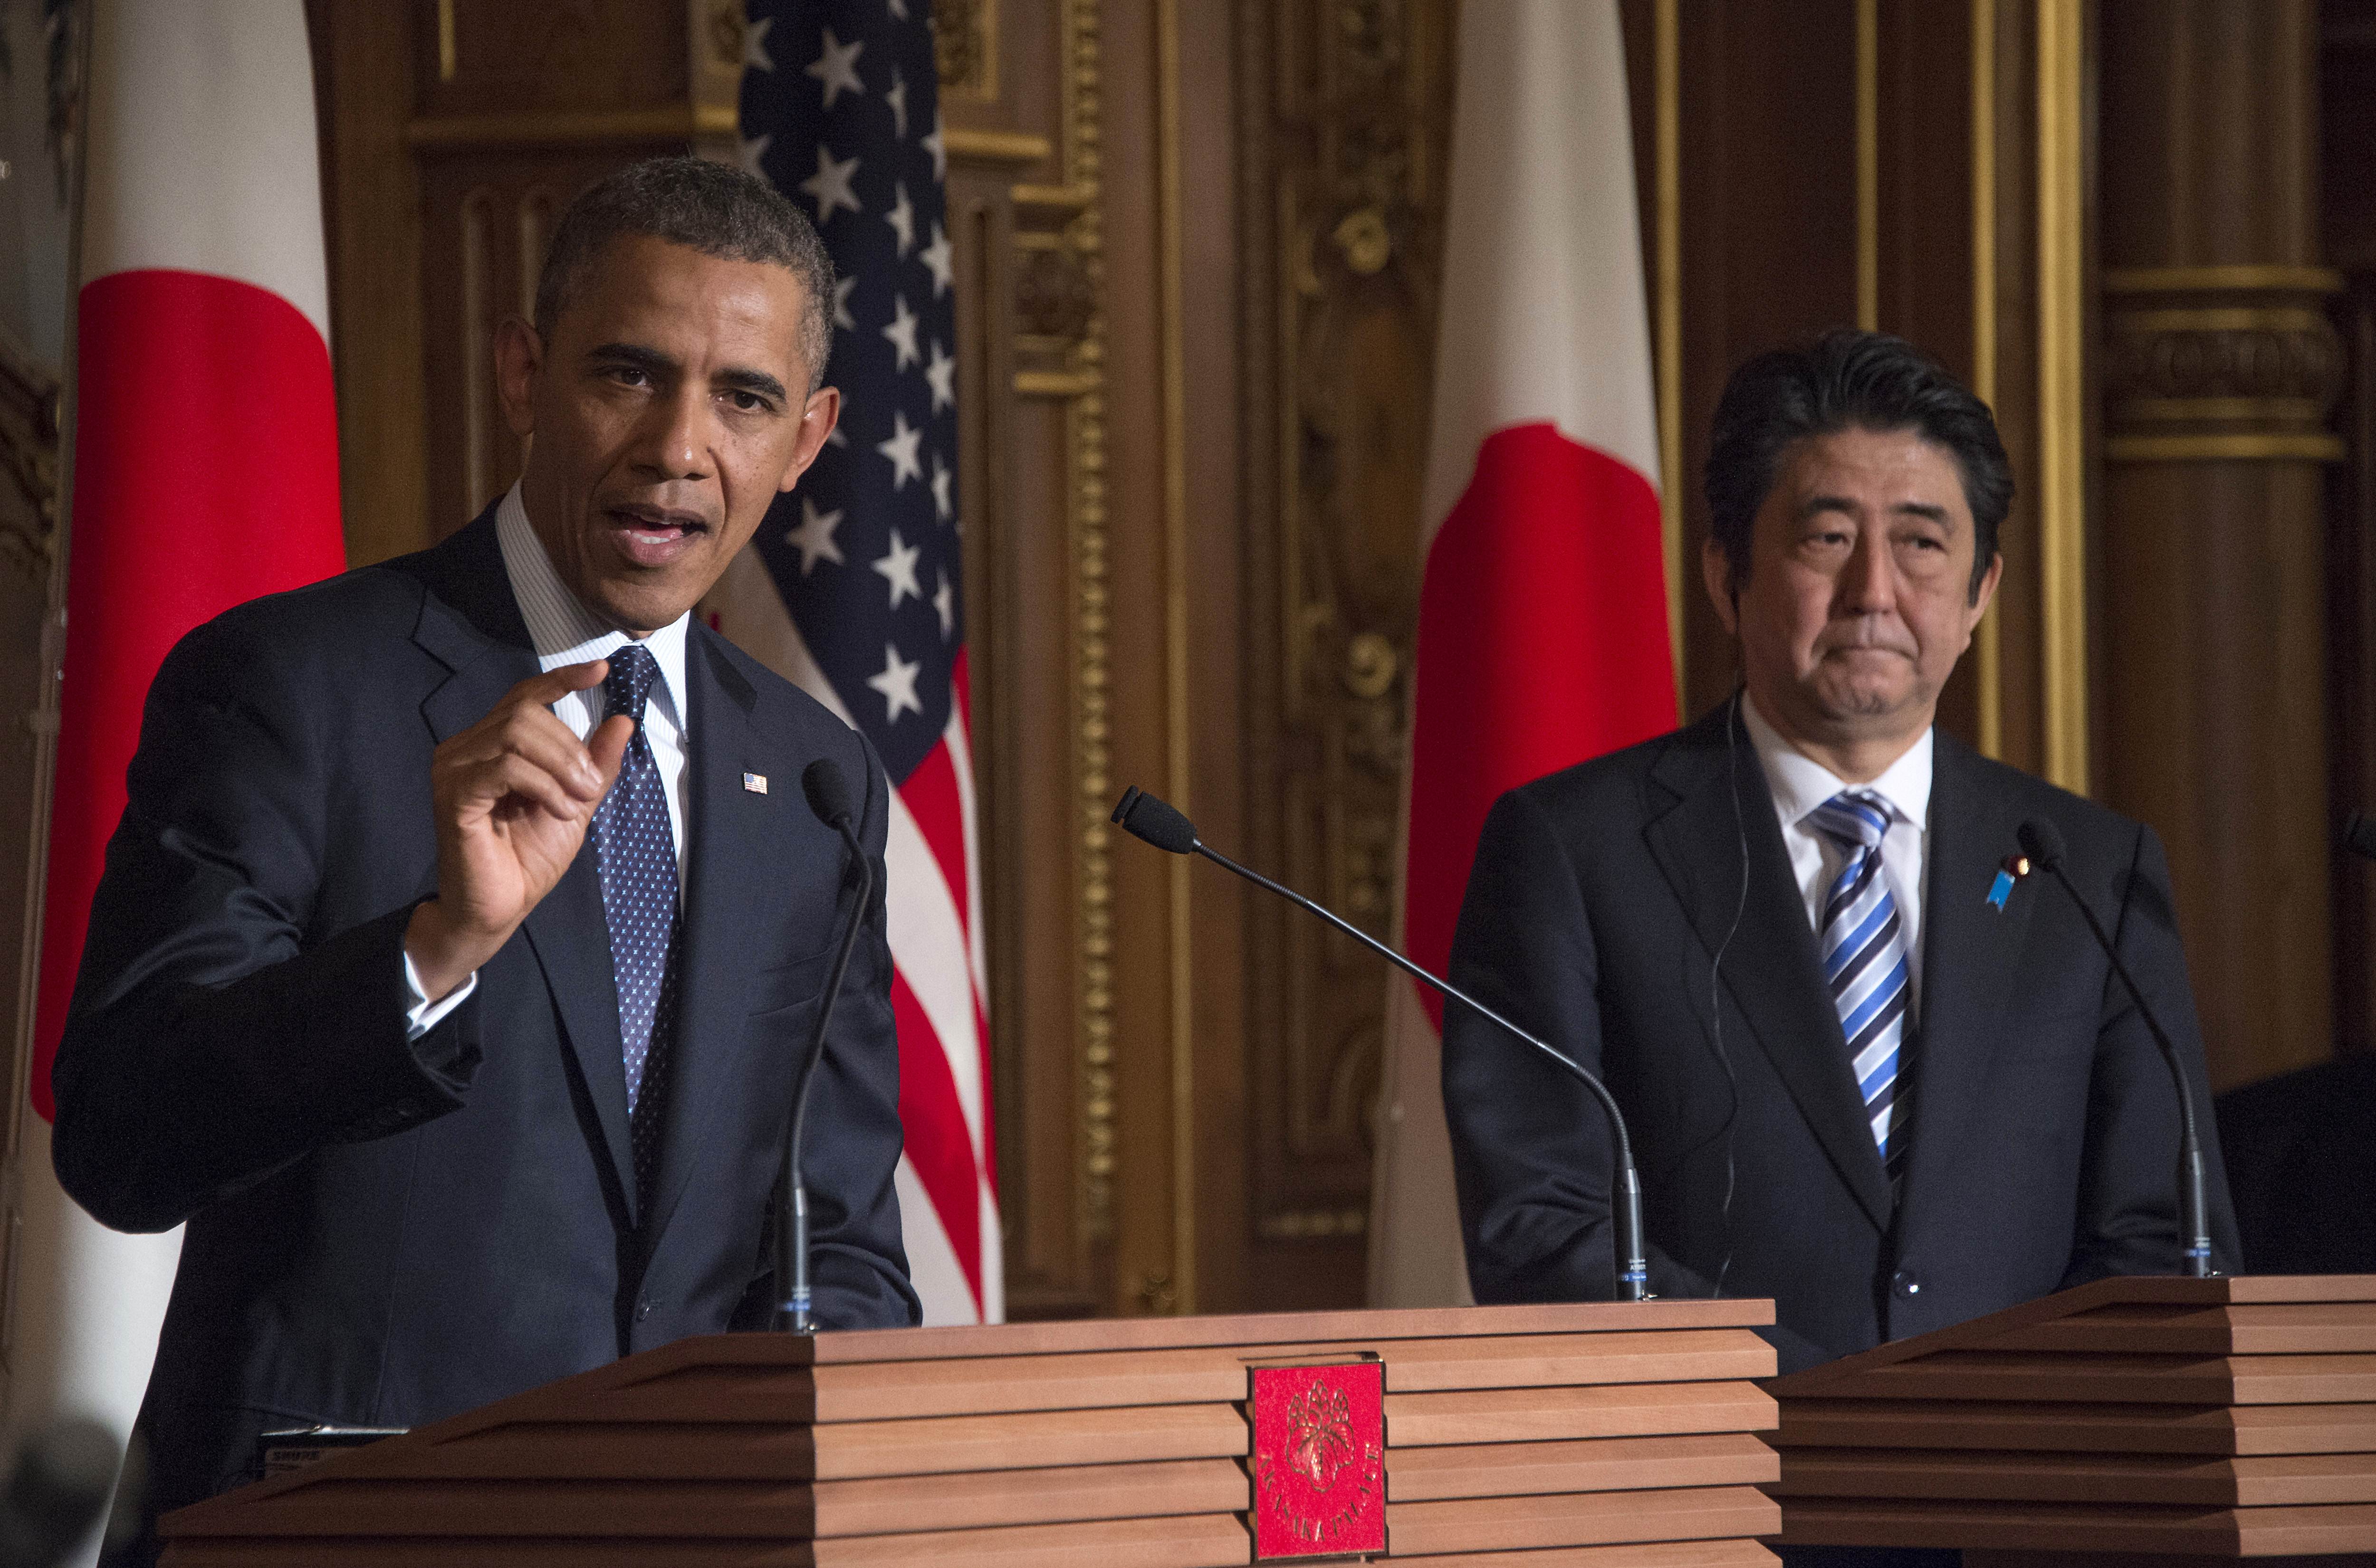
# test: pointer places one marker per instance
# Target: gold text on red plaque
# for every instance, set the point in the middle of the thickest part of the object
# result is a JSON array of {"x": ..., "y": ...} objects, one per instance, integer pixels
[{"x": 1320, "y": 1459}]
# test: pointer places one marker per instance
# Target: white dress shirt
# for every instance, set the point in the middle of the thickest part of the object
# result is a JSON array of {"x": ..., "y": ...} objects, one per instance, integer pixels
[
  {"x": 1799, "y": 784},
  {"x": 565, "y": 632}
]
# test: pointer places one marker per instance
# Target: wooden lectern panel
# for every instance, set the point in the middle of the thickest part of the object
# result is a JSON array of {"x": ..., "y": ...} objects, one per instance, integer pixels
[
  {"x": 1651, "y": 1554},
  {"x": 1612, "y": 1464},
  {"x": 2210, "y": 1418},
  {"x": 1519, "y": 1415},
  {"x": 1606, "y": 1434}
]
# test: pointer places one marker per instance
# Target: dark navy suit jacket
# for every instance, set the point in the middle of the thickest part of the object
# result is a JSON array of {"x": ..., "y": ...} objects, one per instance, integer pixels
[
  {"x": 385, "y": 1233},
  {"x": 2045, "y": 1126}
]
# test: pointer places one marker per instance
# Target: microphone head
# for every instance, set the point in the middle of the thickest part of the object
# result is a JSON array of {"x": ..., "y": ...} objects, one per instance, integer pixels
[
  {"x": 1144, "y": 816},
  {"x": 827, "y": 790},
  {"x": 2042, "y": 842},
  {"x": 2360, "y": 835}
]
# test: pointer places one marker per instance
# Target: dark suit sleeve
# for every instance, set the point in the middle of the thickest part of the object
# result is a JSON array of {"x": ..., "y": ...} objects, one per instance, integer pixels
[
  {"x": 2128, "y": 1204},
  {"x": 1531, "y": 1149},
  {"x": 858, "y": 1264},
  {"x": 213, "y": 1037}
]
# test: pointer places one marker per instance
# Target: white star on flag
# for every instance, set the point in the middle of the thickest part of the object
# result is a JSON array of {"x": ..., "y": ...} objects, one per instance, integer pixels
[
  {"x": 944, "y": 604},
  {"x": 829, "y": 186},
  {"x": 941, "y": 375},
  {"x": 898, "y": 99},
  {"x": 755, "y": 46},
  {"x": 837, "y": 67},
  {"x": 748, "y": 151},
  {"x": 841, "y": 290},
  {"x": 941, "y": 477},
  {"x": 898, "y": 684},
  {"x": 902, "y": 333},
  {"x": 899, "y": 10},
  {"x": 901, "y": 450},
  {"x": 814, "y": 538},
  {"x": 902, "y": 219},
  {"x": 937, "y": 147},
  {"x": 937, "y": 257},
  {"x": 898, "y": 569}
]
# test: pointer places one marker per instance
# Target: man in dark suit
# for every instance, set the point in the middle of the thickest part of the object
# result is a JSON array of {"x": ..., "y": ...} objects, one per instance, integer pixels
[
  {"x": 1854, "y": 1082},
  {"x": 466, "y": 921}
]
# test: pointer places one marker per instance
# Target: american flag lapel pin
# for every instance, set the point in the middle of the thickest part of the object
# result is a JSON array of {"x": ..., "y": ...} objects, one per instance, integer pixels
[{"x": 756, "y": 782}]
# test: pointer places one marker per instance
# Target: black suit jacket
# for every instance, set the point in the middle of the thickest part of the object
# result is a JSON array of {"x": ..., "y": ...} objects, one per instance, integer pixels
[
  {"x": 2045, "y": 1128},
  {"x": 383, "y": 1233}
]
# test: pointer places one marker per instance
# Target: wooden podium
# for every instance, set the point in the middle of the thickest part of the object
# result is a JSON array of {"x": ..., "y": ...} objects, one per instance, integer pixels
[
  {"x": 1538, "y": 1436},
  {"x": 2138, "y": 1418}
]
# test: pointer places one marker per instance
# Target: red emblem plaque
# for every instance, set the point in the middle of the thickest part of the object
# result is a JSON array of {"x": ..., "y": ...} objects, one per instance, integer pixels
[{"x": 1320, "y": 1460}]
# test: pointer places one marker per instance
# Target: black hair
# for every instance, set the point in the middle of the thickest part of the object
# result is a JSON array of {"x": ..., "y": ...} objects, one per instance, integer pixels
[
  {"x": 712, "y": 207},
  {"x": 1847, "y": 380}
]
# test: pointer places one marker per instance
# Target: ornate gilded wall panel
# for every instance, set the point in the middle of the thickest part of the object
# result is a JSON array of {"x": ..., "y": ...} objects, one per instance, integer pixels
[{"x": 1352, "y": 172}]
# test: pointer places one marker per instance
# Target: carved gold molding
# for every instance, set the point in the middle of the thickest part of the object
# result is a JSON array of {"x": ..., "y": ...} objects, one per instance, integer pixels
[
  {"x": 1304, "y": 1225},
  {"x": 1171, "y": 262},
  {"x": 2062, "y": 383},
  {"x": 2220, "y": 364},
  {"x": 674, "y": 122},
  {"x": 965, "y": 48},
  {"x": 2278, "y": 277},
  {"x": 2214, "y": 448},
  {"x": 1080, "y": 383},
  {"x": 969, "y": 145}
]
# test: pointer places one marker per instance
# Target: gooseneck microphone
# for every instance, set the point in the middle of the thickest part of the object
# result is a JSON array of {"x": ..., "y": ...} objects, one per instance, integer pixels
[
  {"x": 828, "y": 794},
  {"x": 1144, "y": 816},
  {"x": 2042, "y": 842}
]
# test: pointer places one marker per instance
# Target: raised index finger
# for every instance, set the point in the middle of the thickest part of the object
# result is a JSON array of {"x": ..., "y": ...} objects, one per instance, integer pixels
[{"x": 553, "y": 685}]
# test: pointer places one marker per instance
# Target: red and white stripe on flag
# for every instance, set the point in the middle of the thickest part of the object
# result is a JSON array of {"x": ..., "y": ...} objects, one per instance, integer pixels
[
  {"x": 205, "y": 472},
  {"x": 948, "y": 1173},
  {"x": 1542, "y": 627}
]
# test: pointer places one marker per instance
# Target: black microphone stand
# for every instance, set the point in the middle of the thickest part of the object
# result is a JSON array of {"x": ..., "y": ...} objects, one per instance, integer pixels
[
  {"x": 793, "y": 1312},
  {"x": 1164, "y": 828},
  {"x": 2042, "y": 842}
]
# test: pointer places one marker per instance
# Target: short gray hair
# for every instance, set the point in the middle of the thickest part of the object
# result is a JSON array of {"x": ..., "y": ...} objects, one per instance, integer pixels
[{"x": 703, "y": 205}]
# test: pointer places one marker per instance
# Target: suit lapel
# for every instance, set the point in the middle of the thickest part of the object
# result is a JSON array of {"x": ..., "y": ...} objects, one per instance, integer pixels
[
  {"x": 1771, "y": 967},
  {"x": 1969, "y": 954},
  {"x": 471, "y": 623},
  {"x": 725, "y": 922}
]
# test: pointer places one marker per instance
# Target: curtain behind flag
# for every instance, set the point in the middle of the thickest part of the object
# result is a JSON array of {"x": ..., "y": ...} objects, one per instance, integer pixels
[
  {"x": 205, "y": 472},
  {"x": 851, "y": 588},
  {"x": 1542, "y": 627}
]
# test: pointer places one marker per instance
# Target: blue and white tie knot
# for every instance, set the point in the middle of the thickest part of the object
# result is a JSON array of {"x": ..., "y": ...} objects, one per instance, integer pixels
[{"x": 1853, "y": 819}]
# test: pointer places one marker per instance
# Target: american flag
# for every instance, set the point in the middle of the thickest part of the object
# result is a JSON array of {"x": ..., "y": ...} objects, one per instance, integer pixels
[{"x": 851, "y": 587}]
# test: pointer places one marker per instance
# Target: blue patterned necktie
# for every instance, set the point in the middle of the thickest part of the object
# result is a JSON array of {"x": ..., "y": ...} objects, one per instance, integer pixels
[
  {"x": 1865, "y": 964},
  {"x": 637, "y": 853}
]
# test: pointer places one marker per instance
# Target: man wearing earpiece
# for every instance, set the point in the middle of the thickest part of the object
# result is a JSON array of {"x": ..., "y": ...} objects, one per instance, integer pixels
[{"x": 1855, "y": 1081}]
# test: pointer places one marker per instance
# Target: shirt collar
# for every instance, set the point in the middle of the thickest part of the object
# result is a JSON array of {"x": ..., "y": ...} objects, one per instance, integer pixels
[
  {"x": 1800, "y": 783},
  {"x": 563, "y": 629}
]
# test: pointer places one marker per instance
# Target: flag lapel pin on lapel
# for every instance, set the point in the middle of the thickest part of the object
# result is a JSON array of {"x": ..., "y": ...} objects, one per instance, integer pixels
[{"x": 756, "y": 782}]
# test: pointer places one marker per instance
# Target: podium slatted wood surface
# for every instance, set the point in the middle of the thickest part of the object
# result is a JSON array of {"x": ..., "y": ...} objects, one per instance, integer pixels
[
  {"x": 2204, "y": 1418},
  {"x": 1586, "y": 1436}
]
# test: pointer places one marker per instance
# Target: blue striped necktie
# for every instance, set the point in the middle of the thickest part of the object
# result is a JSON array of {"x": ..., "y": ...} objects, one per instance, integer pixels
[
  {"x": 1865, "y": 963},
  {"x": 635, "y": 851}
]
